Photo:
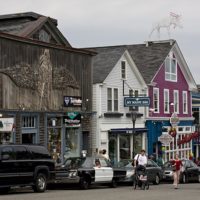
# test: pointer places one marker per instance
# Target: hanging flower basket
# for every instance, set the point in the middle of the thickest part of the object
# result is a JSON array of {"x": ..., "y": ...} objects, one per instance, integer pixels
[{"x": 172, "y": 132}]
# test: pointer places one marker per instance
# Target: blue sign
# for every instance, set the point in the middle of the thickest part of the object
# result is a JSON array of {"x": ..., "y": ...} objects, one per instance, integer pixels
[{"x": 136, "y": 101}]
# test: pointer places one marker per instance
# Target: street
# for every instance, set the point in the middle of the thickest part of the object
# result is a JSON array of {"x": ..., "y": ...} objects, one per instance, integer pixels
[{"x": 155, "y": 192}]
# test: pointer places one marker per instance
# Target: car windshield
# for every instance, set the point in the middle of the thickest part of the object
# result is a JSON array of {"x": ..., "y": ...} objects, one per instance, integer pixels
[
  {"x": 71, "y": 163},
  {"x": 124, "y": 163}
]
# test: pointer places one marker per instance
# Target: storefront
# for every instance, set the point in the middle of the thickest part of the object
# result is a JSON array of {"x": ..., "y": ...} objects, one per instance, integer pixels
[
  {"x": 64, "y": 135},
  {"x": 181, "y": 142},
  {"x": 123, "y": 143},
  {"x": 7, "y": 130}
]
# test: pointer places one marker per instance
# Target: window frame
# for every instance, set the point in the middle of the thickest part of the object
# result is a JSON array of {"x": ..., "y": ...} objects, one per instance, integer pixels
[
  {"x": 113, "y": 100},
  {"x": 156, "y": 91},
  {"x": 176, "y": 101},
  {"x": 185, "y": 102},
  {"x": 166, "y": 101},
  {"x": 123, "y": 71},
  {"x": 169, "y": 66}
]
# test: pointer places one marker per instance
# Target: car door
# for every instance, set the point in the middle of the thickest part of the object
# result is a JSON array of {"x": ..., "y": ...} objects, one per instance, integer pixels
[
  {"x": 194, "y": 171},
  {"x": 151, "y": 172},
  {"x": 103, "y": 173},
  {"x": 24, "y": 164},
  {"x": 8, "y": 173}
]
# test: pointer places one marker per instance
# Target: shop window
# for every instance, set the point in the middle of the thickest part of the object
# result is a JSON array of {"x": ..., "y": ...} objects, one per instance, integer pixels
[
  {"x": 6, "y": 137},
  {"x": 113, "y": 148},
  {"x": 54, "y": 143},
  {"x": 72, "y": 147},
  {"x": 124, "y": 143}
]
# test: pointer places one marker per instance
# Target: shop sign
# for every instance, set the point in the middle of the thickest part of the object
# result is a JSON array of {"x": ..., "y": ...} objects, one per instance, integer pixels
[
  {"x": 72, "y": 119},
  {"x": 165, "y": 139},
  {"x": 6, "y": 124},
  {"x": 72, "y": 101},
  {"x": 174, "y": 120},
  {"x": 136, "y": 101}
]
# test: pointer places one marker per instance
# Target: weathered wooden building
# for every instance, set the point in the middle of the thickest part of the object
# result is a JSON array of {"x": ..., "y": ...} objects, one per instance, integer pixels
[{"x": 45, "y": 86}]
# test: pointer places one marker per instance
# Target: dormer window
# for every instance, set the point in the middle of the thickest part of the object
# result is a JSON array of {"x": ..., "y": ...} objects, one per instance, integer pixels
[
  {"x": 123, "y": 69},
  {"x": 171, "y": 68}
]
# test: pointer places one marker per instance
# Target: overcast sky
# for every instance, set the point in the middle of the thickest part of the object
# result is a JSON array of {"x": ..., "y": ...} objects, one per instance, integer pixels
[{"x": 87, "y": 23}]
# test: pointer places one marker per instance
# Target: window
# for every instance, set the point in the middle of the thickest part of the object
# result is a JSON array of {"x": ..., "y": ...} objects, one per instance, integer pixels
[
  {"x": 112, "y": 99},
  {"x": 109, "y": 99},
  {"x": 28, "y": 121},
  {"x": 156, "y": 99},
  {"x": 185, "y": 103},
  {"x": 166, "y": 101},
  {"x": 170, "y": 68},
  {"x": 123, "y": 69},
  {"x": 8, "y": 151},
  {"x": 115, "y": 99},
  {"x": 176, "y": 101}
]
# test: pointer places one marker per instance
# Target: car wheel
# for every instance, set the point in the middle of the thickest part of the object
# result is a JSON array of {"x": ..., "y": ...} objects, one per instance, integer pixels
[
  {"x": 157, "y": 180},
  {"x": 84, "y": 183},
  {"x": 40, "y": 183},
  {"x": 184, "y": 178},
  {"x": 114, "y": 183}
]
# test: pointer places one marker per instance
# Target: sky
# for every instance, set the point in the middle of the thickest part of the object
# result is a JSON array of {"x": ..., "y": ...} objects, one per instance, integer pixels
[{"x": 89, "y": 23}]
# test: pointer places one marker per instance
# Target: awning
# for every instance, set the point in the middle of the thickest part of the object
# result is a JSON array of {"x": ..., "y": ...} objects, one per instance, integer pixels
[{"x": 128, "y": 130}]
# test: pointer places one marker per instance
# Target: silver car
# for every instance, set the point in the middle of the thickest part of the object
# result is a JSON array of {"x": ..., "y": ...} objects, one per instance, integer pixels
[
  {"x": 190, "y": 173},
  {"x": 154, "y": 172}
]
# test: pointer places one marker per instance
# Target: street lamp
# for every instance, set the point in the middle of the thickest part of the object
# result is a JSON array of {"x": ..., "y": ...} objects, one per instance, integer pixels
[{"x": 134, "y": 117}]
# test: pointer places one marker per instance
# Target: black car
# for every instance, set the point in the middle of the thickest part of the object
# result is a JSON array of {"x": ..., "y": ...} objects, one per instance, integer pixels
[
  {"x": 154, "y": 172},
  {"x": 85, "y": 171},
  {"x": 25, "y": 165},
  {"x": 190, "y": 172}
]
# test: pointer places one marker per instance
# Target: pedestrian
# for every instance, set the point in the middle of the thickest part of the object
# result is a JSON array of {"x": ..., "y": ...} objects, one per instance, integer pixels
[
  {"x": 140, "y": 159},
  {"x": 105, "y": 155},
  {"x": 176, "y": 166}
]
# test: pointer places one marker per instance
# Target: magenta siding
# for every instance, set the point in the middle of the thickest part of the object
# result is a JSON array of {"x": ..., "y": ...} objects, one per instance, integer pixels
[{"x": 181, "y": 85}]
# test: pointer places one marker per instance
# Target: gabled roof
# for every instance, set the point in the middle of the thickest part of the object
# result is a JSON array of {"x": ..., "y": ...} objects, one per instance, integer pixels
[
  {"x": 147, "y": 57},
  {"x": 28, "y": 24},
  {"x": 104, "y": 61}
]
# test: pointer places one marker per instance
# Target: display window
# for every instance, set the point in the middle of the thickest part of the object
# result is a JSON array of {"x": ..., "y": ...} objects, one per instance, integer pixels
[{"x": 72, "y": 142}]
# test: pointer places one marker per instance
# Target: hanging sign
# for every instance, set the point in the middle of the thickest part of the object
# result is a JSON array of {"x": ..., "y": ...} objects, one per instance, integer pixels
[
  {"x": 72, "y": 119},
  {"x": 72, "y": 101},
  {"x": 6, "y": 124},
  {"x": 165, "y": 139},
  {"x": 136, "y": 101},
  {"x": 174, "y": 120}
]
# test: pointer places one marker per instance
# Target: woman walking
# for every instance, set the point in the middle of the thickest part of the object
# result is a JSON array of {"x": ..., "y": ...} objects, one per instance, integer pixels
[{"x": 176, "y": 165}]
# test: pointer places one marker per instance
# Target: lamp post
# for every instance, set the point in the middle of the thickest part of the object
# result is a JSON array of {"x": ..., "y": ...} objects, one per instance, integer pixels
[{"x": 134, "y": 117}]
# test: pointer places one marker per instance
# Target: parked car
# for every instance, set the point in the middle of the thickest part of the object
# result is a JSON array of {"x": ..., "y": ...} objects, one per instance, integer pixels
[
  {"x": 190, "y": 173},
  {"x": 24, "y": 165},
  {"x": 154, "y": 172},
  {"x": 85, "y": 171}
]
